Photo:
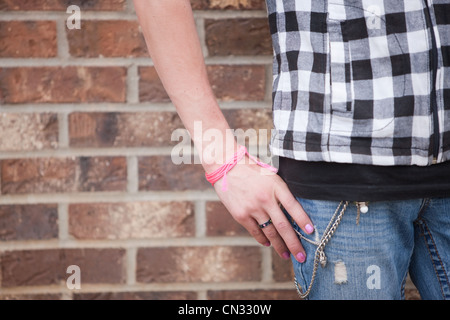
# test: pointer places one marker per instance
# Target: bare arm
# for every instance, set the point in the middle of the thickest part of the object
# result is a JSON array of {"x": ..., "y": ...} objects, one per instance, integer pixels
[{"x": 252, "y": 198}]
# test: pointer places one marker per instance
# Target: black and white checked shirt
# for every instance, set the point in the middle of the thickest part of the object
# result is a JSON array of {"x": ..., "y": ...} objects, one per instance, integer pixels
[{"x": 361, "y": 81}]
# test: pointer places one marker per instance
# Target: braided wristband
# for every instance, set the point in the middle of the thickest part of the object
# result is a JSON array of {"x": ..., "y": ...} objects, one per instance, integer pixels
[{"x": 222, "y": 171}]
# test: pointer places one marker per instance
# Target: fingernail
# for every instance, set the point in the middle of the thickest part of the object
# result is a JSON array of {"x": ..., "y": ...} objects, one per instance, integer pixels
[
  {"x": 300, "y": 257},
  {"x": 267, "y": 244},
  {"x": 286, "y": 255},
  {"x": 309, "y": 228}
]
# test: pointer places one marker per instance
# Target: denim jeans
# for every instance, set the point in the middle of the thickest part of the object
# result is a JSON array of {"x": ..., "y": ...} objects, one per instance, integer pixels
[{"x": 370, "y": 254}]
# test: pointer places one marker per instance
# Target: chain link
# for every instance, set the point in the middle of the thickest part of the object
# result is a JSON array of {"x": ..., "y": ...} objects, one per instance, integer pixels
[{"x": 319, "y": 256}]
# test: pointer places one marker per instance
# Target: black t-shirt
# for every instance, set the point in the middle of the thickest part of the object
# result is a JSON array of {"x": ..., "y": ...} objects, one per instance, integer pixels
[{"x": 355, "y": 182}]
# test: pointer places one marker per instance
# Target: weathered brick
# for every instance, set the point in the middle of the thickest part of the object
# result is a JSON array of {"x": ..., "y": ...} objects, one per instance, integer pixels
[
  {"x": 31, "y": 296},
  {"x": 43, "y": 175},
  {"x": 275, "y": 294},
  {"x": 243, "y": 37},
  {"x": 28, "y": 222},
  {"x": 160, "y": 173},
  {"x": 229, "y": 82},
  {"x": 137, "y": 220},
  {"x": 227, "y": 4},
  {"x": 219, "y": 221},
  {"x": 198, "y": 264},
  {"x": 137, "y": 295},
  {"x": 153, "y": 129},
  {"x": 151, "y": 88},
  {"x": 282, "y": 269},
  {"x": 38, "y": 175},
  {"x": 238, "y": 82},
  {"x": 34, "y": 131},
  {"x": 49, "y": 266},
  {"x": 113, "y": 129},
  {"x": 28, "y": 39},
  {"x": 245, "y": 119},
  {"x": 102, "y": 174},
  {"x": 110, "y": 38},
  {"x": 62, "y": 84},
  {"x": 412, "y": 294},
  {"x": 61, "y": 5}
]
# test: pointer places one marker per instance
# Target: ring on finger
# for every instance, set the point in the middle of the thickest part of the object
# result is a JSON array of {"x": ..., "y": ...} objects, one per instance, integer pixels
[{"x": 265, "y": 224}]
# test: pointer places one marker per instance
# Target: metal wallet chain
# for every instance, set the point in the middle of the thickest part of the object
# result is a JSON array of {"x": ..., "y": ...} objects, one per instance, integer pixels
[{"x": 319, "y": 256}]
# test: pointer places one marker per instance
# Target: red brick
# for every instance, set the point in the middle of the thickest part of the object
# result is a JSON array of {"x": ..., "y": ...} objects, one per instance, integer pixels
[
  {"x": 151, "y": 88},
  {"x": 34, "y": 131},
  {"x": 137, "y": 295},
  {"x": 243, "y": 37},
  {"x": 237, "y": 82},
  {"x": 28, "y": 39},
  {"x": 282, "y": 269},
  {"x": 160, "y": 173},
  {"x": 102, "y": 174},
  {"x": 62, "y": 84},
  {"x": 227, "y": 4},
  {"x": 111, "y": 38},
  {"x": 43, "y": 175},
  {"x": 412, "y": 294},
  {"x": 49, "y": 266},
  {"x": 96, "y": 129},
  {"x": 31, "y": 296},
  {"x": 38, "y": 175},
  {"x": 229, "y": 82},
  {"x": 198, "y": 264},
  {"x": 245, "y": 119},
  {"x": 28, "y": 222},
  {"x": 276, "y": 294},
  {"x": 61, "y": 5},
  {"x": 127, "y": 129},
  {"x": 219, "y": 221},
  {"x": 135, "y": 220}
]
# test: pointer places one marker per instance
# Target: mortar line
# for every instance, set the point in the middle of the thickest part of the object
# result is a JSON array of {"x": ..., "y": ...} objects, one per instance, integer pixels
[
  {"x": 152, "y": 287},
  {"x": 200, "y": 219},
  {"x": 126, "y": 14},
  {"x": 62, "y": 42},
  {"x": 184, "y": 242},
  {"x": 120, "y": 107},
  {"x": 131, "y": 254},
  {"x": 110, "y": 197},
  {"x": 63, "y": 131},
  {"x": 123, "y": 61},
  {"x": 132, "y": 83},
  {"x": 132, "y": 174},
  {"x": 63, "y": 221}
]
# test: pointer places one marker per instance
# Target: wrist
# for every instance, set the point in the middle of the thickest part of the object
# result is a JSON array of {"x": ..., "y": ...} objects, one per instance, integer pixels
[{"x": 221, "y": 172}]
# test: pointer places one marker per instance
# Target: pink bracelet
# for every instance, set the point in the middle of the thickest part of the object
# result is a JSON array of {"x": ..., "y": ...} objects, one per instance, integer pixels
[{"x": 222, "y": 171}]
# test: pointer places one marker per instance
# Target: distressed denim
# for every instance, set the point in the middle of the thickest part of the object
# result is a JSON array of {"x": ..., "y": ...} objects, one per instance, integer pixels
[{"x": 370, "y": 256}]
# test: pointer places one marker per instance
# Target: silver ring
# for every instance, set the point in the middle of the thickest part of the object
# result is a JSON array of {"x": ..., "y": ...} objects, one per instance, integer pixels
[{"x": 265, "y": 224}]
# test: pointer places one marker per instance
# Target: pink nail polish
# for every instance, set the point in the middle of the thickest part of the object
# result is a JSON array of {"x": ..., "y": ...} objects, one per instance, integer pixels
[
  {"x": 267, "y": 244},
  {"x": 309, "y": 228},
  {"x": 286, "y": 255},
  {"x": 300, "y": 257}
]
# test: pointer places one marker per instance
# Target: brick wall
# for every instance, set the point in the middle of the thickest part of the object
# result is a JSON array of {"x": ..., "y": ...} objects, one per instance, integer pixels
[{"x": 86, "y": 175}]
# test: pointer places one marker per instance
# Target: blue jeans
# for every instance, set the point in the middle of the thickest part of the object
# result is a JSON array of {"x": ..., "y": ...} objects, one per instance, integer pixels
[{"x": 370, "y": 254}]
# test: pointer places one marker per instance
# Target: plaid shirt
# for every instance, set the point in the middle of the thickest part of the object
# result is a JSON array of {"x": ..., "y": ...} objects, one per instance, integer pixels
[{"x": 361, "y": 81}]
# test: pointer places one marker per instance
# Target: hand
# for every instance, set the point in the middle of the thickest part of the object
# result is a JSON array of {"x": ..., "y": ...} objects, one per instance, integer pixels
[{"x": 253, "y": 197}]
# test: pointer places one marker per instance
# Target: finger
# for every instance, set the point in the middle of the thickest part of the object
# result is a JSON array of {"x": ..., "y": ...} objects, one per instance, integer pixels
[
  {"x": 294, "y": 208},
  {"x": 276, "y": 240},
  {"x": 256, "y": 232},
  {"x": 287, "y": 234}
]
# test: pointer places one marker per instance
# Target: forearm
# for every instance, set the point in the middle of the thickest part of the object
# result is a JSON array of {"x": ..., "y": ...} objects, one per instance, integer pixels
[{"x": 171, "y": 36}]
